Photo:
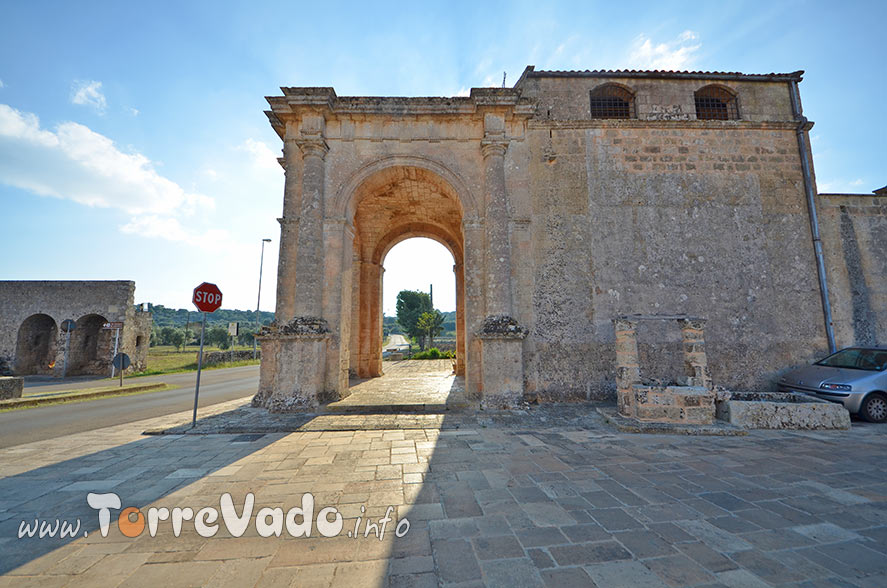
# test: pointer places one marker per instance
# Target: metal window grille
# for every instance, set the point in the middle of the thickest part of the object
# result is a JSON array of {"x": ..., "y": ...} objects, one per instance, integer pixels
[
  {"x": 714, "y": 103},
  {"x": 611, "y": 102}
]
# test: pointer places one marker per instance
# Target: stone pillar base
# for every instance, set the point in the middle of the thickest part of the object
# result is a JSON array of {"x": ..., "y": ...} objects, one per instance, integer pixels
[
  {"x": 292, "y": 374},
  {"x": 503, "y": 362}
]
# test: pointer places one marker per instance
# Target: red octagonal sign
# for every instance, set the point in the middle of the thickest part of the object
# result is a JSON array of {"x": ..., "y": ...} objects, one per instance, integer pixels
[{"x": 207, "y": 297}]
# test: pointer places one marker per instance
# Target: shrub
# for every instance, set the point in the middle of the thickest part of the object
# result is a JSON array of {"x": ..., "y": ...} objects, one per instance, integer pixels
[{"x": 434, "y": 353}]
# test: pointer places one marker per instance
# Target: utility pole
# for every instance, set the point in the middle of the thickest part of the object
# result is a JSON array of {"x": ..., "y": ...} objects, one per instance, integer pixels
[
  {"x": 431, "y": 294},
  {"x": 259, "y": 300}
]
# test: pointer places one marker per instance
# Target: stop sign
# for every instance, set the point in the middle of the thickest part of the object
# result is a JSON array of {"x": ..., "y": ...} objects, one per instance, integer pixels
[{"x": 207, "y": 297}]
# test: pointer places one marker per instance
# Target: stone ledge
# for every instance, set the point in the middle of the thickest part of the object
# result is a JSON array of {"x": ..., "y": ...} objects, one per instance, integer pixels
[{"x": 630, "y": 425}]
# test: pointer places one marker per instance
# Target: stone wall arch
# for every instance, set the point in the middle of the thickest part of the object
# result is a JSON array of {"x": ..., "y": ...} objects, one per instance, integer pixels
[
  {"x": 90, "y": 351},
  {"x": 345, "y": 200},
  {"x": 36, "y": 345}
]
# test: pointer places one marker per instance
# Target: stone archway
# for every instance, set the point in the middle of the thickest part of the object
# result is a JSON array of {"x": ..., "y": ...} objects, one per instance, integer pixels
[
  {"x": 35, "y": 347},
  {"x": 360, "y": 175},
  {"x": 90, "y": 352},
  {"x": 394, "y": 204}
]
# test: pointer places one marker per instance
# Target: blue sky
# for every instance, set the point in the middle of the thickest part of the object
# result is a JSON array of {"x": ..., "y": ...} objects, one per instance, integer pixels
[{"x": 133, "y": 143}]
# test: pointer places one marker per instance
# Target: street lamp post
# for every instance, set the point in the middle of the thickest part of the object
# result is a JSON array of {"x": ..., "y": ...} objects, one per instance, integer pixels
[{"x": 258, "y": 302}]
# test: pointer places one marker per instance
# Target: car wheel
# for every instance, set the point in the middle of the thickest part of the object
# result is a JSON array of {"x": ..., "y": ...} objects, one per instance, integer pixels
[{"x": 874, "y": 408}]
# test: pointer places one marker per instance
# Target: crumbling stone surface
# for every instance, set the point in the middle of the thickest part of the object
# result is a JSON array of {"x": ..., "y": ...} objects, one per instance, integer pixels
[
  {"x": 11, "y": 387},
  {"x": 503, "y": 327},
  {"x": 300, "y": 325},
  {"x": 779, "y": 410}
]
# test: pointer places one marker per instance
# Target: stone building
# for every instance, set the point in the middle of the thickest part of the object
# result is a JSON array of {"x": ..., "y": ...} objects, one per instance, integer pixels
[
  {"x": 566, "y": 201},
  {"x": 31, "y": 338}
]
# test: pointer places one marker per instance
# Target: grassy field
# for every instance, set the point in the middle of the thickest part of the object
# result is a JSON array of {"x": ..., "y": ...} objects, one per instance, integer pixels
[{"x": 165, "y": 359}]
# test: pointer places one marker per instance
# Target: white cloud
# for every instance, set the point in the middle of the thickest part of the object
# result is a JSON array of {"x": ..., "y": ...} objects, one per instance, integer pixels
[
  {"x": 89, "y": 93},
  {"x": 2, "y": 84},
  {"x": 857, "y": 182},
  {"x": 262, "y": 155},
  {"x": 171, "y": 229},
  {"x": 677, "y": 54},
  {"x": 134, "y": 111},
  {"x": 75, "y": 163}
]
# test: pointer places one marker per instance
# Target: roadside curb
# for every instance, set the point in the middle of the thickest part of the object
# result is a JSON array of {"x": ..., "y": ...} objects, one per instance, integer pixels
[{"x": 29, "y": 402}]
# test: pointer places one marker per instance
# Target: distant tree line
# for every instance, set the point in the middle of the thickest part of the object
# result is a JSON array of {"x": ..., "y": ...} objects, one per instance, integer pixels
[{"x": 181, "y": 327}]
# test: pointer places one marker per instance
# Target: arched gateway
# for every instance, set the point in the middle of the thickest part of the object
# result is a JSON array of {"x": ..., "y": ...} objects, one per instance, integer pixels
[
  {"x": 564, "y": 209},
  {"x": 357, "y": 183}
]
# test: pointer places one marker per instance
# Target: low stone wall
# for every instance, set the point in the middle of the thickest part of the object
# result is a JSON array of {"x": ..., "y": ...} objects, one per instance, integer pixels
[
  {"x": 673, "y": 404},
  {"x": 778, "y": 410},
  {"x": 216, "y": 357},
  {"x": 11, "y": 387}
]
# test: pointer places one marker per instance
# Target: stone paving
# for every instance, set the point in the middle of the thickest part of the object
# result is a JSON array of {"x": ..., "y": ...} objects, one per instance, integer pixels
[{"x": 564, "y": 501}]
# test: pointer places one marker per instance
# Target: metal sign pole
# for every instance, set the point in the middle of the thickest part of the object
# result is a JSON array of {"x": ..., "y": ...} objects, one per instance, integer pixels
[
  {"x": 199, "y": 366},
  {"x": 121, "y": 373},
  {"x": 116, "y": 341}
]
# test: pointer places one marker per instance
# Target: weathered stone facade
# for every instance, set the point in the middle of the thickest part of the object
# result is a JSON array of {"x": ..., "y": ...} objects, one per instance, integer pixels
[
  {"x": 854, "y": 234},
  {"x": 558, "y": 222},
  {"x": 31, "y": 338}
]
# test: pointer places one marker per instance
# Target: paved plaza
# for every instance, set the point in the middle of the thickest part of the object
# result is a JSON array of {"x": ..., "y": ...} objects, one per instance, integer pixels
[{"x": 540, "y": 498}]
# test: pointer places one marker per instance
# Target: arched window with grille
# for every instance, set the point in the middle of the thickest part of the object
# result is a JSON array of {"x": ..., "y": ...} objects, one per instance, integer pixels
[
  {"x": 612, "y": 101},
  {"x": 716, "y": 103}
]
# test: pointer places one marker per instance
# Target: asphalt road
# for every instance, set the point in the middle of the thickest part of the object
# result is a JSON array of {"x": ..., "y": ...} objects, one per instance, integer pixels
[
  {"x": 398, "y": 341},
  {"x": 47, "y": 422}
]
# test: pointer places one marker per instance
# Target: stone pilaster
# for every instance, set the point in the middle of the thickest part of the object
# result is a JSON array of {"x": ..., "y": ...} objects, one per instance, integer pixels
[
  {"x": 695, "y": 358},
  {"x": 296, "y": 354},
  {"x": 458, "y": 270},
  {"x": 628, "y": 371},
  {"x": 501, "y": 336},
  {"x": 370, "y": 356},
  {"x": 498, "y": 245},
  {"x": 310, "y": 260}
]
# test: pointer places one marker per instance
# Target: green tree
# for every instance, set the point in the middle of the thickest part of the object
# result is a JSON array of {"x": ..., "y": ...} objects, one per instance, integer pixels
[
  {"x": 216, "y": 336},
  {"x": 166, "y": 335},
  {"x": 410, "y": 306},
  {"x": 177, "y": 338},
  {"x": 430, "y": 324}
]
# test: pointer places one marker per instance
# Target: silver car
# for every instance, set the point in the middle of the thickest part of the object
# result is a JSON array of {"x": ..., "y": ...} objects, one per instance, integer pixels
[{"x": 855, "y": 377}]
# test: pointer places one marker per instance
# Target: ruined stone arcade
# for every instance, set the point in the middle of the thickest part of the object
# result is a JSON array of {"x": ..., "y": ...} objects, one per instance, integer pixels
[{"x": 33, "y": 343}]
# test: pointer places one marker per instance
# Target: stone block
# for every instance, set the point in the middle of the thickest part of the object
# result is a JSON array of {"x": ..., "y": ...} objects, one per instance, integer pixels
[
  {"x": 503, "y": 374},
  {"x": 11, "y": 387},
  {"x": 775, "y": 410}
]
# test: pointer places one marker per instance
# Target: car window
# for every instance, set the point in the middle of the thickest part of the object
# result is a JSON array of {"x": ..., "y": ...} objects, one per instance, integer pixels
[{"x": 857, "y": 359}]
